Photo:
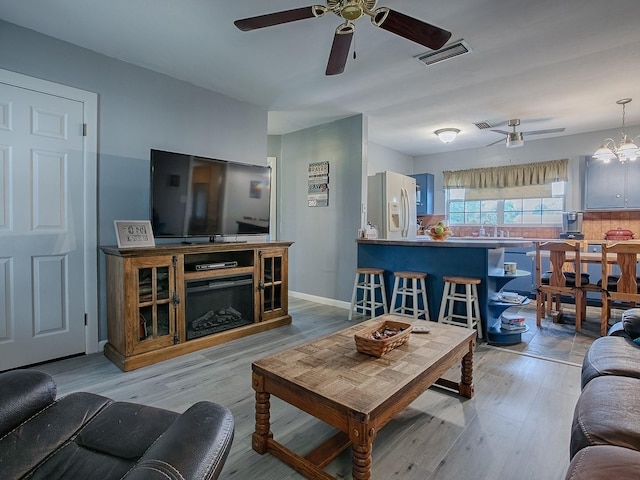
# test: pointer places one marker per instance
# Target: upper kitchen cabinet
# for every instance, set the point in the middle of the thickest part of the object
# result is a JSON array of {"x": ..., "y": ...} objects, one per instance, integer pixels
[
  {"x": 424, "y": 193},
  {"x": 611, "y": 185}
]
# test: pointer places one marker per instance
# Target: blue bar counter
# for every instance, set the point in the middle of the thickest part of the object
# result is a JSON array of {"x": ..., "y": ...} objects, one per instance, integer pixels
[{"x": 481, "y": 258}]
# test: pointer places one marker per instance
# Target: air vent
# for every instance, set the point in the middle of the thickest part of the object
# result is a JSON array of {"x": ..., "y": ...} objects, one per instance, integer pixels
[
  {"x": 483, "y": 125},
  {"x": 445, "y": 53}
]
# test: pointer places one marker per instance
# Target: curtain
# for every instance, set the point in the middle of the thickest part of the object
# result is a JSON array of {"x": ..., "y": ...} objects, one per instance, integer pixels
[
  {"x": 526, "y": 174},
  {"x": 530, "y": 191}
]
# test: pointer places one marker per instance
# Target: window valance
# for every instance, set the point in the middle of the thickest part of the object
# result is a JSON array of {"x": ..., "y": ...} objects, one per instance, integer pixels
[{"x": 539, "y": 173}]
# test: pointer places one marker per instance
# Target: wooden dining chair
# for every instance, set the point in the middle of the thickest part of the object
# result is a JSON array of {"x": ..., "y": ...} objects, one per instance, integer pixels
[
  {"x": 621, "y": 288},
  {"x": 558, "y": 281},
  {"x": 569, "y": 269}
]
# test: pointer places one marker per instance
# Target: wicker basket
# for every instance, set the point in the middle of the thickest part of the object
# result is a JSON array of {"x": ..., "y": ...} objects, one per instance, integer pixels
[{"x": 377, "y": 348}]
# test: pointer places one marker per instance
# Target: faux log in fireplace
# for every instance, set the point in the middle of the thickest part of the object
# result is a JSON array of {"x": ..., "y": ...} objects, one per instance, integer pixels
[{"x": 218, "y": 304}]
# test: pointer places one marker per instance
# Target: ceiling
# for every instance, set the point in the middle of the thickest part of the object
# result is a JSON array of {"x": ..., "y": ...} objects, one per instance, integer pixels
[{"x": 549, "y": 63}]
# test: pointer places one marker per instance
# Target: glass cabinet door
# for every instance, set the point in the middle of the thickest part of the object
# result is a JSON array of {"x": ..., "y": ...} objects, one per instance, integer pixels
[
  {"x": 272, "y": 283},
  {"x": 155, "y": 304}
]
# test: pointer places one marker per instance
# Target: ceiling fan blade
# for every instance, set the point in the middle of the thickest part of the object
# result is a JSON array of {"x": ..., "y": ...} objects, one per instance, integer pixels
[
  {"x": 501, "y": 132},
  {"x": 339, "y": 50},
  {"x": 541, "y": 132},
  {"x": 496, "y": 142},
  {"x": 286, "y": 16},
  {"x": 410, "y": 28}
]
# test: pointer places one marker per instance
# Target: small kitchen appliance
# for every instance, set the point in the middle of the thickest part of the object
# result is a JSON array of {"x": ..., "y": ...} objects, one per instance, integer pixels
[{"x": 572, "y": 225}]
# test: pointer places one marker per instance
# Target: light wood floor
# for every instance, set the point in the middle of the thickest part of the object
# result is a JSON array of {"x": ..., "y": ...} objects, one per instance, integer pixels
[{"x": 516, "y": 426}]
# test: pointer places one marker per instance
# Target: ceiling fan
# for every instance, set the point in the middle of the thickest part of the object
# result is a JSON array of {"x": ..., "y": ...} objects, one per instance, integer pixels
[
  {"x": 410, "y": 28},
  {"x": 516, "y": 139}
]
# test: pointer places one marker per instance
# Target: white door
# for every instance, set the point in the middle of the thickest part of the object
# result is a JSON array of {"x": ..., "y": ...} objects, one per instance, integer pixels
[{"x": 42, "y": 227}]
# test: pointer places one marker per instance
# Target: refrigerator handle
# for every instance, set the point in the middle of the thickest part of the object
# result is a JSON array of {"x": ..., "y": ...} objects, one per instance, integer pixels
[
  {"x": 402, "y": 212},
  {"x": 408, "y": 214},
  {"x": 405, "y": 212}
]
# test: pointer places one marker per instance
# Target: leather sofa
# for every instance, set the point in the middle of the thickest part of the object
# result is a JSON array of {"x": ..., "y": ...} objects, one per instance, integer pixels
[
  {"x": 88, "y": 436},
  {"x": 605, "y": 434}
]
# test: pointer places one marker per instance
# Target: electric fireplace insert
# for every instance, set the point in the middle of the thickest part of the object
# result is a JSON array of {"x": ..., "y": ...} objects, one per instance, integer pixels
[{"x": 217, "y": 304}]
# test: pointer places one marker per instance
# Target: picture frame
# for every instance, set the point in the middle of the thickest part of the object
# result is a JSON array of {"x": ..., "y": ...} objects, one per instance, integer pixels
[{"x": 134, "y": 233}]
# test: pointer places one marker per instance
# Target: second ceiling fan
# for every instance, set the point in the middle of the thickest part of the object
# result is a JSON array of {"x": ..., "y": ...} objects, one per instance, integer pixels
[
  {"x": 515, "y": 138},
  {"x": 403, "y": 25}
]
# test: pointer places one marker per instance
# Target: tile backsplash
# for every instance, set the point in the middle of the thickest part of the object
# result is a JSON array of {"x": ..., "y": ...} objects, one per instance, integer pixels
[{"x": 594, "y": 226}]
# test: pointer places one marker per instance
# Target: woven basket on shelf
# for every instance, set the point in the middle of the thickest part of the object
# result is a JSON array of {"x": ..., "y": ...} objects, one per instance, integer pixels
[{"x": 377, "y": 348}]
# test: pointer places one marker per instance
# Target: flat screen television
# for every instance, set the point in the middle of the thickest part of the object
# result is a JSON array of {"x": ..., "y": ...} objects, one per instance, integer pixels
[{"x": 197, "y": 196}]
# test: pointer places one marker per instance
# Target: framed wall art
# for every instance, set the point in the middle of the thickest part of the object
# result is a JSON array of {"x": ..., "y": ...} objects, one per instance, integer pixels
[{"x": 318, "y": 193}]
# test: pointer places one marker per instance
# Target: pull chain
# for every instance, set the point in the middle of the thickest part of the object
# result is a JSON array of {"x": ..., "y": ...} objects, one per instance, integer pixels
[{"x": 354, "y": 47}]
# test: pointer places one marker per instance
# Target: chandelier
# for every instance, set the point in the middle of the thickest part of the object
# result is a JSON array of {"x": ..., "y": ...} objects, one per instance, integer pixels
[{"x": 627, "y": 150}]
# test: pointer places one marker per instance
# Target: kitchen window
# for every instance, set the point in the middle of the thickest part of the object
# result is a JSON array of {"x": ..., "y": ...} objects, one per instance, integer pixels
[
  {"x": 510, "y": 206},
  {"x": 509, "y": 195}
]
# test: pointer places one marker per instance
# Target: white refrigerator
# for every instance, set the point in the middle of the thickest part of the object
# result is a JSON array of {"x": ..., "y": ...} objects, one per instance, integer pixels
[{"x": 391, "y": 205}]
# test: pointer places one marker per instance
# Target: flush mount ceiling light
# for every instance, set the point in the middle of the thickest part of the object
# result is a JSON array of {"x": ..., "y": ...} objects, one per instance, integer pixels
[
  {"x": 447, "y": 135},
  {"x": 628, "y": 150}
]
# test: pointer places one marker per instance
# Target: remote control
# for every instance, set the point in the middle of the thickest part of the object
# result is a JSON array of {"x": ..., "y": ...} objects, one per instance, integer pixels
[{"x": 420, "y": 329}]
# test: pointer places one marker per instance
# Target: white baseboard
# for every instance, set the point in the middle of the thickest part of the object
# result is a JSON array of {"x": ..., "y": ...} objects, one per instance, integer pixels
[
  {"x": 323, "y": 300},
  {"x": 101, "y": 345}
]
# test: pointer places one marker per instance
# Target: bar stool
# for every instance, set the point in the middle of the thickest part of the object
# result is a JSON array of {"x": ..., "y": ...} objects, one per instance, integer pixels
[
  {"x": 417, "y": 286},
  {"x": 450, "y": 295},
  {"x": 366, "y": 281}
]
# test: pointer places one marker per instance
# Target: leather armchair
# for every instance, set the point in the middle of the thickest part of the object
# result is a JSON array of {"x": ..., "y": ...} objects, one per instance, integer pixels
[{"x": 84, "y": 435}]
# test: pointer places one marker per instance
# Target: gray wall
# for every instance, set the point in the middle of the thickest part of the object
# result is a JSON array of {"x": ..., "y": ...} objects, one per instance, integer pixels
[
  {"x": 138, "y": 110},
  {"x": 383, "y": 158},
  {"x": 323, "y": 257}
]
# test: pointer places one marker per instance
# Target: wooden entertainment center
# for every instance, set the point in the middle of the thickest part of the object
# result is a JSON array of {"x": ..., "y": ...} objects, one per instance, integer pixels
[{"x": 160, "y": 300}]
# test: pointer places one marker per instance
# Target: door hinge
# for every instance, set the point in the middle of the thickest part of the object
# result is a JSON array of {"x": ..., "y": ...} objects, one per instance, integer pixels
[
  {"x": 86, "y": 319},
  {"x": 84, "y": 129}
]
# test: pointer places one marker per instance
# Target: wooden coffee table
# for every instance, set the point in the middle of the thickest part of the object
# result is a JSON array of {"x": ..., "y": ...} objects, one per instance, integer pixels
[{"x": 356, "y": 393}]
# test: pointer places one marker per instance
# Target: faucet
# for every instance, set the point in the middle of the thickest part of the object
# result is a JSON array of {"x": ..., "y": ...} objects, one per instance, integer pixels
[{"x": 495, "y": 227}]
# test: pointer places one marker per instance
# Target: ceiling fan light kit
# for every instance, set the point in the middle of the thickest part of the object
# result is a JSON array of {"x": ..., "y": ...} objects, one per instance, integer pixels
[
  {"x": 407, "y": 27},
  {"x": 628, "y": 149},
  {"x": 447, "y": 135},
  {"x": 515, "y": 139}
]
